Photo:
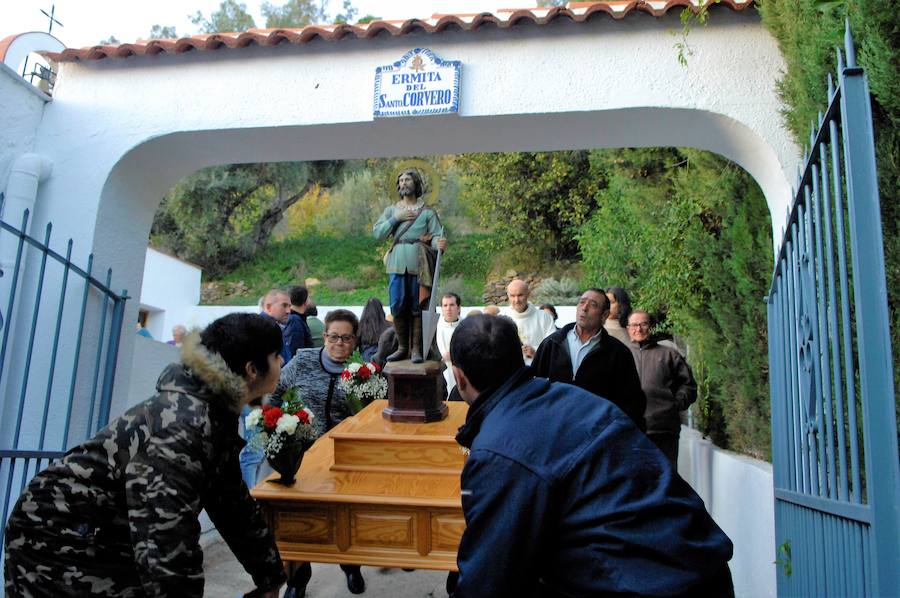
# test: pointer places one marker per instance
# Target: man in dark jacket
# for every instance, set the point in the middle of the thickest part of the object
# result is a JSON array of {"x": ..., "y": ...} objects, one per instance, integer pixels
[
  {"x": 563, "y": 495},
  {"x": 296, "y": 331},
  {"x": 667, "y": 381},
  {"x": 584, "y": 354}
]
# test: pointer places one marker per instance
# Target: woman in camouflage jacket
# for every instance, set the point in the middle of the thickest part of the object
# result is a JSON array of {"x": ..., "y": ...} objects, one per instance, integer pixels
[{"x": 117, "y": 516}]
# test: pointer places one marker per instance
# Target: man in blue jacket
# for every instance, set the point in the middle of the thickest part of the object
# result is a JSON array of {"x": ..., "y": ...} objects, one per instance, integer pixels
[
  {"x": 563, "y": 495},
  {"x": 296, "y": 331}
]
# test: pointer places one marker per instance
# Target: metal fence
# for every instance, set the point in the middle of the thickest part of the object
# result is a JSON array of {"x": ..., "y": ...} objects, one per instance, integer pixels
[
  {"x": 834, "y": 430},
  {"x": 60, "y": 337}
]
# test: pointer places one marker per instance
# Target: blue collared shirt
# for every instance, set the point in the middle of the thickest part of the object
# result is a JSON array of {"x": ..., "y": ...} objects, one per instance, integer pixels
[{"x": 578, "y": 350}]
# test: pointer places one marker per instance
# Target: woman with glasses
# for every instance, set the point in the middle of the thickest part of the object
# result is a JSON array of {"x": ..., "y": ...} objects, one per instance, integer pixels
[{"x": 315, "y": 373}]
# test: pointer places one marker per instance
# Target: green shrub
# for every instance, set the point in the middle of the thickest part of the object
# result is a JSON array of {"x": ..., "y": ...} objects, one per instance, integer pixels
[
  {"x": 565, "y": 291},
  {"x": 353, "y": 207},
  {"x": 688, "y": 235}
]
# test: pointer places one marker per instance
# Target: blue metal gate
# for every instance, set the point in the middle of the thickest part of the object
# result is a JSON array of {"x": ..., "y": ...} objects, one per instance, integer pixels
[
  {"x": 60, "y": 337},
  {"x": 834, "y": 430}
]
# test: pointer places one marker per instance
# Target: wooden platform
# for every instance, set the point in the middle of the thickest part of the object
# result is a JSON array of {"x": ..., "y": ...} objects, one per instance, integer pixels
[{"x": 374, "y": 492}]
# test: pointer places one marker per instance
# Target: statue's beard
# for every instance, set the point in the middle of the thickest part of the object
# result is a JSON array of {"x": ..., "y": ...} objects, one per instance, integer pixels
[{"x": 405, "y": 192}]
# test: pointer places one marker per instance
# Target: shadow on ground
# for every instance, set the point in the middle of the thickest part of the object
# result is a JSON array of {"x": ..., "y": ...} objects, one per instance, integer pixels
[{"x": 226, "y": 578}]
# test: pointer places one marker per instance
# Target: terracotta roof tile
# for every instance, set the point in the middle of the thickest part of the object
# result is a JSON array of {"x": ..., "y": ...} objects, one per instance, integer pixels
[{"x": 502, "y": 18}]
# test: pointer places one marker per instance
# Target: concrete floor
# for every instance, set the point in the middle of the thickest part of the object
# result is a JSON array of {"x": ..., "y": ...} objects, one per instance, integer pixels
[{"x": 226, "y": 578}]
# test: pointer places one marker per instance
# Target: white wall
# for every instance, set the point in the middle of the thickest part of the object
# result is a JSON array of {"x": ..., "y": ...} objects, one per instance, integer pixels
[
  {"x": 738, "y": 493},
  {"x": 171, "y": 288},
  {"x": 149, "y": 359},
  {"x": 21, "y": 107}
]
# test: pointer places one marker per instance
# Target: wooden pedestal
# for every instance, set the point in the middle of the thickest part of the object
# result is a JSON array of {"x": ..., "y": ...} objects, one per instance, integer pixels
[
  {"x": 374, "y": 492},
  {"x": 415, "y": 392}
]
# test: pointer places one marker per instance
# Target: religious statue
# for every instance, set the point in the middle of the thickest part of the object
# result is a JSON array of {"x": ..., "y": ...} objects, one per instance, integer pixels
[{"x": 410, "y": 262}]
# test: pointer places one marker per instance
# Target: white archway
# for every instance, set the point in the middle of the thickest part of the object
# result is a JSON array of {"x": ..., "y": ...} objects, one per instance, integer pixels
[{"x": 121, "y": 132}]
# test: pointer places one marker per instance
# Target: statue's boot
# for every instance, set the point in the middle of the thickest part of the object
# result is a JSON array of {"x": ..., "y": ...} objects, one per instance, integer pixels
[
  {"x": 416, "y": 350},
  {"x": 401, "y": 325}
]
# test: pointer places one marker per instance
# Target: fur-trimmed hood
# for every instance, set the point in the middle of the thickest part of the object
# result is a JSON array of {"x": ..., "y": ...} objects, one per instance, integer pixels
[{"x": 212, "y": 380}]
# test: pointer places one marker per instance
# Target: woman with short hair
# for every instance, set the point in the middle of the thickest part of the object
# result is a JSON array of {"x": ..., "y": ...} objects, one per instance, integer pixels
[
  {"x": 117, "y": 515},
  {"x": 316, "y": 374}
]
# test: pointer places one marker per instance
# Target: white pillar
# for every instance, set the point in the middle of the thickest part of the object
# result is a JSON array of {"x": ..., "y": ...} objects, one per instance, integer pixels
[{"x": 28, "y": 171}]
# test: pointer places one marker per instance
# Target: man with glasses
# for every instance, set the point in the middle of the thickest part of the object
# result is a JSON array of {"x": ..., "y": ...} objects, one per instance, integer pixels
[
  {"x": 667, "y": 382},
  {"x": 584, "y": 354}
]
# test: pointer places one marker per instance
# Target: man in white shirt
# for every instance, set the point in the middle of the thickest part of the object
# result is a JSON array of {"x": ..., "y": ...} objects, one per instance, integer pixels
[
  {"x": 450, "y": 304},
  {"x": 534, "y": 324}
]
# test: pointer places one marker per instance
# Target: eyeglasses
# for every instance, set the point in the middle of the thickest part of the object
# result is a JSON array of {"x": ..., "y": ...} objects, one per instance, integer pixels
[
  {"x": 334, "y": 338},
  {"x": 642, "y": 326}
]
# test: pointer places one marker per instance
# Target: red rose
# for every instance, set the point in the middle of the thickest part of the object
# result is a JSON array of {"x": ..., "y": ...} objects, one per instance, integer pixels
[
  {"x": 377, "y": 367},
  {"x": 303, "y": 416},
  {"x": 346, "y": 375},
  {"x": 271, "y": 416},
  {"x": 363, "y": 373}
]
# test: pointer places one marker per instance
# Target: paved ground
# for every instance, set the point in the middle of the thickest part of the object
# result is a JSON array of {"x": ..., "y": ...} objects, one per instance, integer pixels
[{"x": 225, "y": 578}]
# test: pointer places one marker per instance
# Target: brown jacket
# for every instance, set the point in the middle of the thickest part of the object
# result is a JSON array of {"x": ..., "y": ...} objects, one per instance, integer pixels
[{"x": 668, "y": 383}]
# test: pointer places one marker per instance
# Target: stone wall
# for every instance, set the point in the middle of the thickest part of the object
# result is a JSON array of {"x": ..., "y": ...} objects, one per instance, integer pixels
[{"x": 495, "y": 290}]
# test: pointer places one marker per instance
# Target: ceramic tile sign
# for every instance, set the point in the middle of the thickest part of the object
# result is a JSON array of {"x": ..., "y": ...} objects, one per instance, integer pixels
[{"x": 420, "y": 83}]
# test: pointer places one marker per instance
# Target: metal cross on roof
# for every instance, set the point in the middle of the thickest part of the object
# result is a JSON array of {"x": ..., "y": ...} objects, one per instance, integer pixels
[{"x": 51, "y": 17}]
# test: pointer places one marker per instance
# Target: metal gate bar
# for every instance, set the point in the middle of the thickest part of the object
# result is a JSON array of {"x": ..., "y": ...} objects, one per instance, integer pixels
[
  {"x": 31, "y": 390},
  {"x": 837, "y": 484}
]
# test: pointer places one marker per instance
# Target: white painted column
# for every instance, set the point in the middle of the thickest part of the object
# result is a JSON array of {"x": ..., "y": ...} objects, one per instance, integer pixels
[{"x": 28, "y": 171}]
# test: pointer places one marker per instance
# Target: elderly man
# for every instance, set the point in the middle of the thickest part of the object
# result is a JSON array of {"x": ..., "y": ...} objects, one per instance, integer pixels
[
  {"x": 666, "y": 380},
  {"x": 447, "y": 323},
  {"x": 563, "y": 495},
  {"x": 276, "y": 305},
  {"x": 178, "y": 332},
  {"x": 584, "y": 354},
  {"x": 534, "y": 324},
  {"x": 414, "y": 227}
]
